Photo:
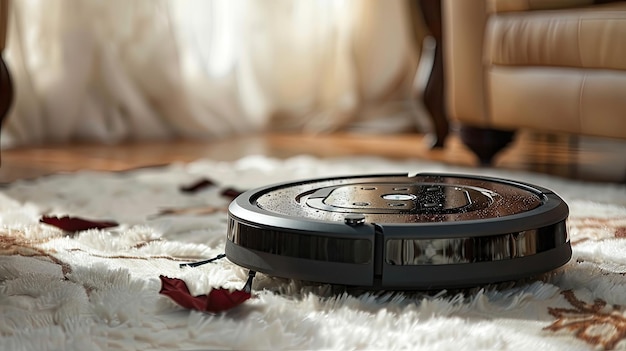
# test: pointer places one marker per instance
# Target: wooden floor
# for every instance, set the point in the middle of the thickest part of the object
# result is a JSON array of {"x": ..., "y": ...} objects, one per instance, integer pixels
[{"x": 587, "y": 159}]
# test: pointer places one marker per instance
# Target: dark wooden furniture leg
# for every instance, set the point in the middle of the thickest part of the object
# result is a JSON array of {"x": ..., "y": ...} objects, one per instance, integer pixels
[
  {"x": 485, "y": 142},
  {"x": 433, "y": 94},
  {"x": 6, "y": 87},
  {"x": 6, "y": 91}
]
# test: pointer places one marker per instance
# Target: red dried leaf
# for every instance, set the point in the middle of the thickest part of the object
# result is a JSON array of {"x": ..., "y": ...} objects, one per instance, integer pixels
[
  {"x": 231, "y": 193},
  {"x": 221, "y": 299},
  {"x": 75, "y": 224},
  {"x": 177, "y": 290},
  {"x": 197, "y": 186},
  {"x": 218, "y": 300}
]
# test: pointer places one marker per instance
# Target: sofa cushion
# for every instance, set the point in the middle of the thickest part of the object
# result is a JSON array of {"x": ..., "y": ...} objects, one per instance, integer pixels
[
  {"x": 592, "y": 37},
  {"x": 553, "y": 99}
]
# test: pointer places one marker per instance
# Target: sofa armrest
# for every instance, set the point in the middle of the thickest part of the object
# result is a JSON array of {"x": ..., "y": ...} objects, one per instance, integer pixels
[{"x": 463, "y": 35}]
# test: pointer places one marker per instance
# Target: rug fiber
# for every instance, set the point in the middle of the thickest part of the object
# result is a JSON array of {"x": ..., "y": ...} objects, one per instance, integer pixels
[{"x": 98, "y": 289}]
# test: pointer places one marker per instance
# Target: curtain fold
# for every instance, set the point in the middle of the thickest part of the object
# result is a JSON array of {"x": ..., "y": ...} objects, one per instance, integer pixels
[{"x": 117, "y": 70}]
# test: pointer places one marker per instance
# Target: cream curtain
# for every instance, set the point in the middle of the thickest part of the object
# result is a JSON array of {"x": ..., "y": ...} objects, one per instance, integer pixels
[{"x": 118, "y": 70}]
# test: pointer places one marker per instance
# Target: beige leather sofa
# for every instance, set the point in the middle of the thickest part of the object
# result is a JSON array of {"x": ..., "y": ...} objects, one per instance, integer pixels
[{"x": 549, "y": 65}]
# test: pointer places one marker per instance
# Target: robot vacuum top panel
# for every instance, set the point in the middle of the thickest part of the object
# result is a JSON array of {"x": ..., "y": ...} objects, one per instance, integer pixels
[{"x": 397, "y": 199}]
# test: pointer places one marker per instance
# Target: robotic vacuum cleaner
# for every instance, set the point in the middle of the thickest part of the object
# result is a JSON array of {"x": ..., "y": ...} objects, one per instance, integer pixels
[{"x": 395, "y": 231}]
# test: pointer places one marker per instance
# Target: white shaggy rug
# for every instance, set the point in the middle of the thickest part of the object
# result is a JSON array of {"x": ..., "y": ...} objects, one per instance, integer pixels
[{"x": 99, "y": 289}]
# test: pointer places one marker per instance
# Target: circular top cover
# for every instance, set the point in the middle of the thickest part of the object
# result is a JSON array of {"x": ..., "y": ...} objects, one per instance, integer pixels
[
  {"x": 399, "y": 231},
  {"x": 393, "y": 199}
]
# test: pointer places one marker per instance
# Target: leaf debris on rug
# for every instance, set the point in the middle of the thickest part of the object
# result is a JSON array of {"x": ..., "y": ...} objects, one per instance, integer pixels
[{"x": 98, "y": 288}]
